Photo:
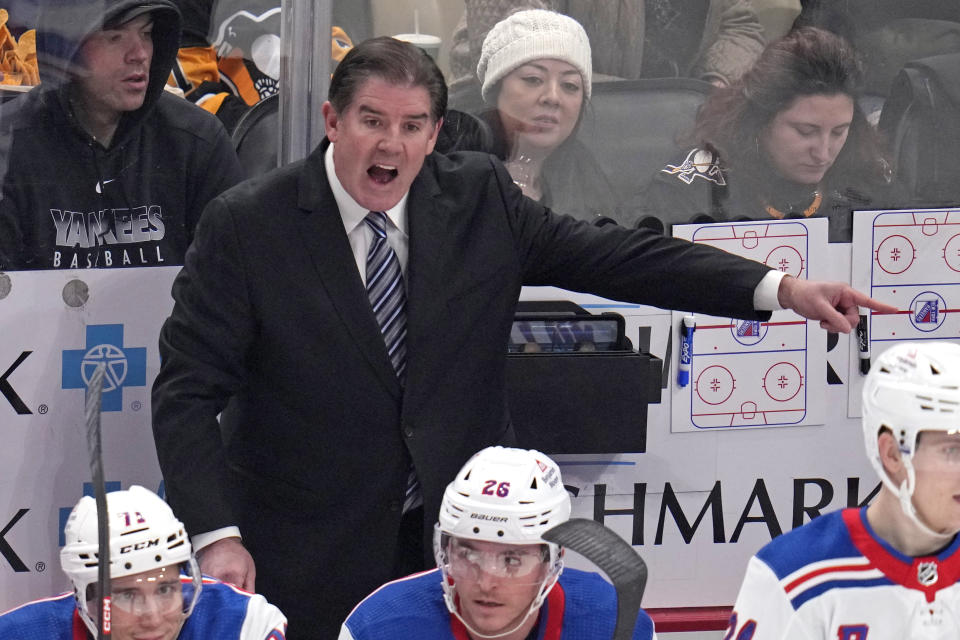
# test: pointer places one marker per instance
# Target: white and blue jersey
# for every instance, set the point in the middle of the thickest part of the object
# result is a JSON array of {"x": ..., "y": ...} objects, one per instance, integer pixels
[
  {"x": 835, "y": 579},
  {"x": 582, "y": 606},
  {"x": 222, "y": 612}
]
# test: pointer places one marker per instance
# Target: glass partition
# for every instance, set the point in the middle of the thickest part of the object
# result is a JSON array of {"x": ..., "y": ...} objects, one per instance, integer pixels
[{"x": 640, "y": 113}]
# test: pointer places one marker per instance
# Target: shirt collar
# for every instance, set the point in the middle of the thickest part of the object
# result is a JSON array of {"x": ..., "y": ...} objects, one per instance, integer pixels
[{"x": 351, "y": 212}]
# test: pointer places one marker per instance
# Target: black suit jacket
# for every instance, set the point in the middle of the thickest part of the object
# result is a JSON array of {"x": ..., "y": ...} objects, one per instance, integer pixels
[{"x": 272, "y": 327}]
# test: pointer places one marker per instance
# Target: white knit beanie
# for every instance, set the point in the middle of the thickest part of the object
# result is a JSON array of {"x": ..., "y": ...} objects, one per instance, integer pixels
[{"x": 532, "y": 35}]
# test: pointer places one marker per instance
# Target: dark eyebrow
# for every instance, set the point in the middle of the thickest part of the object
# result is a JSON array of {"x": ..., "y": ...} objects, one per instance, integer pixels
[{"x": 364, "y": 109}]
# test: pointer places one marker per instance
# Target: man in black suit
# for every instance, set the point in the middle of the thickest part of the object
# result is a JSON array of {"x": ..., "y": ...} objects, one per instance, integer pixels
[{"x": 321, "y": 422}]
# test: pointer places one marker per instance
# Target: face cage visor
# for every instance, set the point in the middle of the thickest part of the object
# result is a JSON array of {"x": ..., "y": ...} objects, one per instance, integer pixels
[
  {"x": 467, "y": 560},
  {"x": 936, "y": 451},
  {"x": 926, "y": 450},
  {"x": 549, "y": 558},
  {"x": 162, "y": 592}
]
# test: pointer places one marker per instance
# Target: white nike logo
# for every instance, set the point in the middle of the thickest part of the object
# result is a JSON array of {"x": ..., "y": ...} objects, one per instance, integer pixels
[{"x": 104, "y": 183}]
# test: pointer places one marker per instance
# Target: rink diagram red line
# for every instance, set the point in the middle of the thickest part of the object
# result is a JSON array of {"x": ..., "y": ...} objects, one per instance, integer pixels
[
  {"x": 765, "y": 324},
  {"x": 903, "y": 312}
]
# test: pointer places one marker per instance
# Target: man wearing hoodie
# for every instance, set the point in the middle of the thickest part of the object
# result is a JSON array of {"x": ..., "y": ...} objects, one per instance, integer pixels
[{"x": 101, "y": 167}]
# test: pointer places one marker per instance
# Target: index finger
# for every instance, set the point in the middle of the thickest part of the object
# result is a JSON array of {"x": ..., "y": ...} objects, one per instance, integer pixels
[
  {"x": 863, "y": 300},
  {"x": 832, "y": 316}
]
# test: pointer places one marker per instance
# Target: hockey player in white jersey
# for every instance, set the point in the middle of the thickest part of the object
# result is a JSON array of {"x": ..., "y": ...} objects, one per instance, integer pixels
[
  {"x": 157, "y": 592},
  {"x": 496, "y": 576},
  {"x": 888, "y": 571}
]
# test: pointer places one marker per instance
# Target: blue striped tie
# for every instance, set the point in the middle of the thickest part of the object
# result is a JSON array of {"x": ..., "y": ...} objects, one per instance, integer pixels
[
  {"x": 386, "y": 292},
  {"x": 388, "y": 300}
]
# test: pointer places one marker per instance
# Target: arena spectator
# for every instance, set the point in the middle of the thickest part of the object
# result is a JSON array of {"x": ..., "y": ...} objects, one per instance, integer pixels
[
  {"x": 248, "y": 71},
  {"x": 103, "y": 168},
  {"x": 715, "y": 40},
  {"x": 157, "y": 591},
  {"x": 786, "y": 140},
  {"x": 197, "y": 72},
  {"x": 535, "y": 73},
  {"x": 887, "y": 34},
  {"x": 854, "y": 18}
]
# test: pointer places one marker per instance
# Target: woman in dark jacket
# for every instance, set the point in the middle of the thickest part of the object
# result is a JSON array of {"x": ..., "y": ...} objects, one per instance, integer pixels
[{"x": 787, "y": 140}]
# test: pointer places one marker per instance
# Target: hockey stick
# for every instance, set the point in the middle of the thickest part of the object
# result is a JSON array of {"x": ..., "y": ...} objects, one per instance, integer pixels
[
  {"x": 92, "y": 413},
  {"x": 612, "y": 555}
]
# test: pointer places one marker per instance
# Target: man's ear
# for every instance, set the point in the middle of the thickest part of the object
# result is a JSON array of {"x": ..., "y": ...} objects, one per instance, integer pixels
[
  {"x": 890, "y": 456},
  {"x": 331, "y": 121},
  {"x": 433, "y": 138}
]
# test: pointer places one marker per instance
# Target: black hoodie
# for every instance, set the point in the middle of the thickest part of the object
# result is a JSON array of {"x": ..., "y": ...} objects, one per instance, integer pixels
[{"x": 67, "y": 201}]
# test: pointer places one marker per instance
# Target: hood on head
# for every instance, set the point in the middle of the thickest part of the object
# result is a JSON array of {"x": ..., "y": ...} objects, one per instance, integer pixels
[{"x": 65, "y": 24}]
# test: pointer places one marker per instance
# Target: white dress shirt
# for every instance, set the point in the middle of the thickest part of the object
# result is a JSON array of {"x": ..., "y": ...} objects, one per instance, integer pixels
[{"x": 359, "y": 234}]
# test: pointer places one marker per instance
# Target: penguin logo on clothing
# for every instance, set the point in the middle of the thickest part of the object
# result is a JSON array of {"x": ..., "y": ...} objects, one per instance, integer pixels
[{"x": 698, "y": 164}]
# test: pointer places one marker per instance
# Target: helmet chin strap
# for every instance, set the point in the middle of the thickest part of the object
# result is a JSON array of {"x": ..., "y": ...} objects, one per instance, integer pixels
[{"x": 905, "y": 494}]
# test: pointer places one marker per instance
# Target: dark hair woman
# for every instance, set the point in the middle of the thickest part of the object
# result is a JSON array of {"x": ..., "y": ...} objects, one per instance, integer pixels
[{"x": 787, "y": 140}]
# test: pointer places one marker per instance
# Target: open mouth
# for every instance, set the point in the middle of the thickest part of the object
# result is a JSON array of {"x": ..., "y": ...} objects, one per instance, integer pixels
[{"x": 382, "y": 173}]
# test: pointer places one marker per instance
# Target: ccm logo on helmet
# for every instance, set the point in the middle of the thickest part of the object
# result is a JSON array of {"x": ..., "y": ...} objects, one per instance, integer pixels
[
  {"x": 481, "y": 516},
  {"x": 146, "y": 544}
]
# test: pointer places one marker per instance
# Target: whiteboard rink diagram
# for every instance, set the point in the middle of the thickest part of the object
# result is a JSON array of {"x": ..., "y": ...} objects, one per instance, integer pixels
[
  {"x": 748, "y": 373},
  {"x": 914, "y": 266}
]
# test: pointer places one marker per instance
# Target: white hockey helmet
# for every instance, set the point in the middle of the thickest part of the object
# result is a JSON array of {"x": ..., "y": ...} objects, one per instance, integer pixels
[
  {"x": 508, "y": 496},
  {"x": 144, "y": 535},
  {"x": 912, "y": 387}
]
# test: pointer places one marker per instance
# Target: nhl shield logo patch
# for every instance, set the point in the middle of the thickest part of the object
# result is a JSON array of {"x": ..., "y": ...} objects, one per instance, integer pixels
[{"x": 927, "y": 573}]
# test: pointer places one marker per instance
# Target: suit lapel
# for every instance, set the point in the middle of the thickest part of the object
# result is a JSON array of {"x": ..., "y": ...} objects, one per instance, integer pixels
[
  {"x": 427, "y": 273},
  {"x": 326, "y": 242}
]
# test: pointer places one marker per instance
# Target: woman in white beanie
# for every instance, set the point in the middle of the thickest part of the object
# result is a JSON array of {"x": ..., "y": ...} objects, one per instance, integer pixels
[{"x": 535, "y": 70}]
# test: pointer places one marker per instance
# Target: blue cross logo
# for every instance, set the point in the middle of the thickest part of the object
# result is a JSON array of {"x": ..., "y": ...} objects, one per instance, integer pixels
[{"x": 126, "y": 366}]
